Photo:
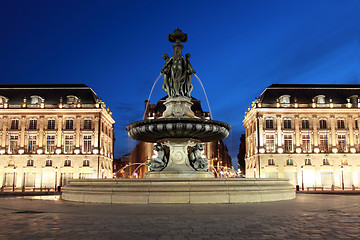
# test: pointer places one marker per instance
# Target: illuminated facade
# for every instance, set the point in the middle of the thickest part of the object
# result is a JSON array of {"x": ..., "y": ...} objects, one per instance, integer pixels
[
  {"x": 216, "y": 152},
  {"x": 52, "y": 133},
  {"x": 306, "y": 133}
]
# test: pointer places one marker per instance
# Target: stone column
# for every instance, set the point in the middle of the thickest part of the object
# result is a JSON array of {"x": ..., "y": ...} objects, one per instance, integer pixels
[
  {"x": 315, "y": 136},
  {"x": 297, "y": 131},
  {"x": 41, "y": 132},
  {"x": 77, "y": 129},
  {"x": 4, "y": 133},
  {"x": 333, "y": 131},
  {"x": 351, "y": 131},
  {"x": 59, "y": 131},
  {"x": 96, "y": 132},
  {"x": 261, "y": 131},
  {"x": 279, "y": 134},
  {"x": 22, "y": 123}
]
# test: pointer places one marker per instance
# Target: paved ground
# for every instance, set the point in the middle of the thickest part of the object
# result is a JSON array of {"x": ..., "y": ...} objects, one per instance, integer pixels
[{"x": 309, "y": 216}]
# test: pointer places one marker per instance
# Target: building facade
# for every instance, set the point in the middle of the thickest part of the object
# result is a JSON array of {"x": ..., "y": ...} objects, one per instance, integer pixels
[
  {"x": 306, "y": 133},
  {"x": 52, "y": 133},
  {"x": 215, "y": 152}
]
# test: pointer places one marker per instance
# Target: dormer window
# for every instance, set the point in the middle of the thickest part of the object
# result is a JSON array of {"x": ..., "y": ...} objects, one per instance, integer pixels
[
  {"x": 284, "y": 100},
  {"x": 35, "y": 99},
  {"x": 3, "y": 99},
  {"x": 71, "y": 99},
  {"x": 354, "y": 100},
  {"x": 320, "y": 100}
]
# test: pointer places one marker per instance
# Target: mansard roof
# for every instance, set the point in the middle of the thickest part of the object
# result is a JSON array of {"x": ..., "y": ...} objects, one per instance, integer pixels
[
  {"x": 15, "y": 93},
  {"x": 304, "y": 93}
]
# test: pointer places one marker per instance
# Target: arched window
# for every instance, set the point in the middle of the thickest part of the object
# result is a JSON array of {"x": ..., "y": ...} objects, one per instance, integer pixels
[
  {"x": 326, "y": 161},
  {"x": 3, "y": 99},
  {"x": 30, "y": 163},
  {"x": 307, "y": 162},
  {"x": 354, "y": 100},
  {"x": 320, "y": 100},
  {"x": 71, "y": 99},
  {"x": 284, "y": 100},
  {"x": 86, "y": 163},
  {"x": 271, "y": 162},
  {"x": 35, "y": 99},
  {"x": 48, "y": 163},
  {"x": 289, "y": 162},
  {"x": 67, "y": 163}
]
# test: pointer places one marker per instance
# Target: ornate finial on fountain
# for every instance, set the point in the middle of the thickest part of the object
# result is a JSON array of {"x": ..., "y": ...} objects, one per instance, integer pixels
[{"x": 177, "y": 36}]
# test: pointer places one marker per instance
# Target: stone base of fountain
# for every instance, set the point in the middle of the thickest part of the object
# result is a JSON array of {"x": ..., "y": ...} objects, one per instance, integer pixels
[
  {"x": 185, "y": 191},
  {"x": 178, "y": 107}
]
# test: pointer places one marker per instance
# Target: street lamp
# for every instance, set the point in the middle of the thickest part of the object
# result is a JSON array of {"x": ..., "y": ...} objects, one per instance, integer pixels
[
  {"x": 14, "y": 169},
  {"x": 302, "y": 178},
  {"x": 56, "y": 170},
  {"x": 254, "y": 172},
  {"x": 102, "y": 172},
  {"x": 342, "y": 177}
]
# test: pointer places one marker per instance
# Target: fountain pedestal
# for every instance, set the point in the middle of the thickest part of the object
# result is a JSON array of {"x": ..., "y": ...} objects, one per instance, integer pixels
[
  {"x": 179, "y": 165},
  {"x": 178, "y": 107}
]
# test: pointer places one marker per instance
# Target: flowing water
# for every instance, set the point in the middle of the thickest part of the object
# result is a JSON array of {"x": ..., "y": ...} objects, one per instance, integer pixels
[
  {"x": 217, "y": 174},
  {"x": 147, "y": 104},
  {"x": 207, "y": 100}
]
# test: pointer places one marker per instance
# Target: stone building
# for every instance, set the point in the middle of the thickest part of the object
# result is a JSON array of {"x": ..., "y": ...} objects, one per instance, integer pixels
[
  {"x": 52, "y": 133},
  {"x": 308, "y": 133},
  {"x": 216, "y": 152}
]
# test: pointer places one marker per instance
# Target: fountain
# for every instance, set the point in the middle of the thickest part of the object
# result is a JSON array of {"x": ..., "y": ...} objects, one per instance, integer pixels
[{"x": 179, "y": 173}]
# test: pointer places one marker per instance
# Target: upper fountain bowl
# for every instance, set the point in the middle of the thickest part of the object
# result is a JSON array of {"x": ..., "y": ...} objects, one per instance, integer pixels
[{"x": 153, "y": 130}]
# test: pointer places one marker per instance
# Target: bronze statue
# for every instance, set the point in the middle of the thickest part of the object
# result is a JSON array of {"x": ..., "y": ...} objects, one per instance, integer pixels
[
  {"x": 158, "y": 163},
  {"x": 177, "y": 70},
  {"x": 198, "y": 162}
]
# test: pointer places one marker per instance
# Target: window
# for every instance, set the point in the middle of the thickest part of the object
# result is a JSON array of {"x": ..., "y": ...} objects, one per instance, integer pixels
[
  {"x": 270, "y": 143},
  {"x": 86, "y": 163},
  {"x": 32, "y": 124},
  {"x": 14, "y": 124},
  {"x": 50, "y": 147},
  {"x": 48, "y": 163},
  {"x": 69, "y": 124},
  {"x": 271, "y": 162},
  {"x": 35, "y": 100},
  {"x": 13, "y": 143},
  {"x": 340, "y": 124},
  {"x": 67, "y": 163},
  {"x": 284, "y": 99},
  {"x": 326, "y": 162},
  {"x": 289, "y": 162},
  {"x": 306, "y": 144},
  {"x": 87, "y": 143},
  {"x": 288, "y": 145},
  {"x": 356, "y": 124},
  {"x": 30, "y": 163},
  {"x": 323, "y": 124},
  {"x": 87, "y": 124},
  {"x": 71, "y": 99},
  {"x": 269, "y": 124},
  {"x": 344, "y": 162},
  {"x": 51, "y": 124},
  {"x": 305, "y": 124},
  {"x": 32, "y": 143},
  {"x": 287, "y": 124},
  {"x": 320, "y": 99},
  {"x": 68, "y": 143},
  {"x": 323, "y": 142},
  {"x": 341, "y": 142},
  {"x": 354, "y": 100},
  {"x": 307, "y": 162}
]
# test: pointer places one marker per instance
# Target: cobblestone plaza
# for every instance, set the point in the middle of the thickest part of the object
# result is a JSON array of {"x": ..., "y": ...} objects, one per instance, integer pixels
[{"x": 307, "y": 216}]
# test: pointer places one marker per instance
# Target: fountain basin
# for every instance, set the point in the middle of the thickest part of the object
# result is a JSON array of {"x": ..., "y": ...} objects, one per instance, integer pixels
[
  {"x": 185, "y": 191},
  {"x": 153, "y": 130}
]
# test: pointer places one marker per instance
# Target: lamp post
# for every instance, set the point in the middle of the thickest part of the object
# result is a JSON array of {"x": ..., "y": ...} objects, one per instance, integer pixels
[
  {"x": 102, "y": 172},
  {"x": 254, "y": 172},
  {"x": 14, "y": 169},
  {"x": 302, "y": 178},
  {"x": 342, "y": 177},
  {"x": 56, "y": 170}
]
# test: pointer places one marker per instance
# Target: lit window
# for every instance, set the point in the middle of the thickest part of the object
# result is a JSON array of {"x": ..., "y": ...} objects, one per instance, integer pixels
[
  {"x": 288, "y": 144},
  {"x": 87, "y": 143},
  {"x": 356, "y": 124},
  {"x": 341, "y": 142},
  {"x": 67, "y": 163},
  {"x": 86, "y": 163},
  {"x": 323, "y": 124},
  {"x": 284, "y": 99},
  {"x": 305, "y": 124},
  {"x": 69, "y": 124},
  {"x": 87, "y": 124},
  {"x": 326, "y": 162},
  {"x": 50, "y": 147},
  {"x": 271, "y": 162},
  {"x": 320, "y": 99},
  {"x": 289, "y": 162},
  {"x": 306, "y": 144},
  {"x": 71, "y": 99},
  {"x": 68, "y": 143},
  {"x": 341, "y": 124},
  {"x": 307, "y": 162},
  {"x": 269, "y": 124},
  {"x": 344, "y": 162},
  {"x": 13, "y": 143},
  {"x": 270, "y": 143},
  {"x": 35, "y": 100},
  {"x": 354, "y": 100},
  {"x": 51, "y": 124},
  {"x": 33, "y": 124},
  {"x": 14, "y": 124},
  {"x": 287, "y": 124},
  {"x": 32, "y": 143},
  {"x": 30, "y": 163},
  {"x": 323, "y": 142},
  {"x": 48, "y": 163}
]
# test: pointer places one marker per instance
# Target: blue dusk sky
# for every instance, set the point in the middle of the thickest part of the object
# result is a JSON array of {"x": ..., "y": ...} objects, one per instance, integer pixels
[{"x": 238, "y": 48}]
